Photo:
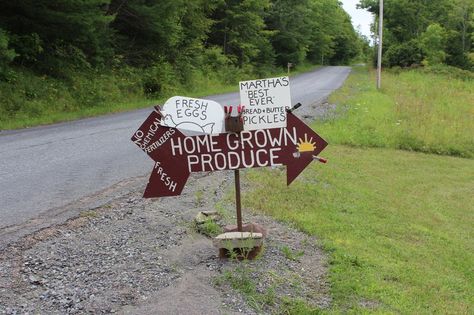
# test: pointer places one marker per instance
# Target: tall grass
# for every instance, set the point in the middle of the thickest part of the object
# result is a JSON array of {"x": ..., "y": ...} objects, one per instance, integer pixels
[
  {"x": 27, "y": 99},
  {"x": 414, "y": 110}
]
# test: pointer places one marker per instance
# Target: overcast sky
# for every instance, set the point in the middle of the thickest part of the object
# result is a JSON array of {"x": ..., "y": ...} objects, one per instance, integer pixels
[{"x": 359, "y": 17}]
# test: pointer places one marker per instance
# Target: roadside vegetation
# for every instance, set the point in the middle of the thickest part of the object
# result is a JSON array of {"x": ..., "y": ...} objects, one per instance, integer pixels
[
  {"x": 37, "y": 100},
  {"x": 64, "y": 60},
  {"x": 429, "y": 33},
  {"x": 418, "y": 110},
  {"x": 397, "y": 224}
]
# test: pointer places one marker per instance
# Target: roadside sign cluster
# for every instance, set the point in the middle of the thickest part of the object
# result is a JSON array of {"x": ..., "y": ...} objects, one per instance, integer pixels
[{"x": 188, "y": 135}]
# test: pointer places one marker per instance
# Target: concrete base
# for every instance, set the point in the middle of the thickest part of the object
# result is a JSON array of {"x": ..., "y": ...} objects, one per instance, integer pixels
[{"x": 248, "y": 227}]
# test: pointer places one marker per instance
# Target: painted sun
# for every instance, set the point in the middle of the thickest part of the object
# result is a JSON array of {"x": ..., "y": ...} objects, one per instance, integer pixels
[{"x": 306, "y": 145}]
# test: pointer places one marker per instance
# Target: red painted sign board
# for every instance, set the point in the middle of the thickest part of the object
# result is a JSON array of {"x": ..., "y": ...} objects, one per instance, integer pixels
[{"x": 176, "y": 156}]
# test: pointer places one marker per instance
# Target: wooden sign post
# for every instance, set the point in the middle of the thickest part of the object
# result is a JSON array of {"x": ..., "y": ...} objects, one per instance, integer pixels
[{"x": 238, "y": 204}]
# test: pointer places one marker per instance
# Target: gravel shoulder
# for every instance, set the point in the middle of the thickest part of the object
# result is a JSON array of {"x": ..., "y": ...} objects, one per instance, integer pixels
[{"x": 141, "y": 256}]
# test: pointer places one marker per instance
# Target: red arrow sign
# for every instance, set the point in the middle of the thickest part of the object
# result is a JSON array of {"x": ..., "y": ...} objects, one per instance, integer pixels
[{"x": 177, "y": 155}]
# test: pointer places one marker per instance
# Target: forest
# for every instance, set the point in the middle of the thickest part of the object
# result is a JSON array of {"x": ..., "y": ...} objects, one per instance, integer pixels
[
  {"x": 66, "y": 55},
  {"x": 59, "y": 57},
  {"x": 429, "y": 33}
]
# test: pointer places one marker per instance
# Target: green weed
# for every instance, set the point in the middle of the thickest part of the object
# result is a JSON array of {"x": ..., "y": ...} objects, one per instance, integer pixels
[
  {"x": 210, "y": 228},
  {"x": 199, "y": 197},
  {"x": 89, "y": 214},
  {"x": 297, "y": 307},
  {"x": 290, "y": 254}
]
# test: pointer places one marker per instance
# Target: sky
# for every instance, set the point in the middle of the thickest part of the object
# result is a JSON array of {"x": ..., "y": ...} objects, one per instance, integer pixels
[{"x": 359, "y": 17}]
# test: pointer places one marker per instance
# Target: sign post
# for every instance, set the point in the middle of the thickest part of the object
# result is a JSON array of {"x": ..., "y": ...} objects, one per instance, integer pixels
[
  {"x": 235, "y": 124},
  {"x": 379, "y": 49},
  {"x": 238, "y": 204}
]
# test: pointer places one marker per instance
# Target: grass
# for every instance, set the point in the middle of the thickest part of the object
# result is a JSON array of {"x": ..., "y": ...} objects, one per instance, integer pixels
[
  {"x": 290, "y": 254},
  {"x": 242, "y": 280},
  {"x": 414, "y": 110},
  {"x": 30, "y": 100},
  {"x": 210, "y": 228},
  {"x": 397, "y": 225}
]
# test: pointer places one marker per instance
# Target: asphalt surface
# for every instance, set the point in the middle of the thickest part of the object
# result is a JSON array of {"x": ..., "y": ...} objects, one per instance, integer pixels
[{"x": 49, "y": 167}]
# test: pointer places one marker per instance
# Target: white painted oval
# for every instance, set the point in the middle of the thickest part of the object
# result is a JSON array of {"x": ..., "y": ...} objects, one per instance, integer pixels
[{"x": 193, "y": 114}]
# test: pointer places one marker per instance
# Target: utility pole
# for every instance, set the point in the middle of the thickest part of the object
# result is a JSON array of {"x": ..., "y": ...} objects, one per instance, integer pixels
[{"x": 379, "y": 57}]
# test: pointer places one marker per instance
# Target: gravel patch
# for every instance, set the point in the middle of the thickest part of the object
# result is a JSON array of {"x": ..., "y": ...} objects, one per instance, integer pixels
[
  {"x": 138, "y": 256},
  {"x": 144, "y": 256}
]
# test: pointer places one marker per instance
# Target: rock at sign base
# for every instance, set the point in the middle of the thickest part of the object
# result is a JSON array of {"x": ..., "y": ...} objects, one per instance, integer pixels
[
  {"x": 247, "y": 227},
  {"x": 204, "y": 216},
  {"x": 231, "y": 240}
]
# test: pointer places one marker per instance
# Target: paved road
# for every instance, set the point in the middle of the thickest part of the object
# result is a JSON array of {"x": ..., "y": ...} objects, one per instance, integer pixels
[{"x": 48, "y": 167}]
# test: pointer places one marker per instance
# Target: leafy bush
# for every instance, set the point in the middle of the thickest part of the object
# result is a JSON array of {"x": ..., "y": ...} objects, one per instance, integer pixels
[
  {"x": 160, "y": 79},
  {"x": 6, "y": 54},
  {"x": 27, "y": 97},
  {"x": 403, "y": 55},
  {"x": 433, "y": 43},
  {"x": 29, "y": 47}
]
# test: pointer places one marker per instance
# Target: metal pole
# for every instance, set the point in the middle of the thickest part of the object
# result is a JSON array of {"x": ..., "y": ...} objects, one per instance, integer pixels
[
  {"x": 237, "y": 200},
  {"x": 379, "y": 57}
]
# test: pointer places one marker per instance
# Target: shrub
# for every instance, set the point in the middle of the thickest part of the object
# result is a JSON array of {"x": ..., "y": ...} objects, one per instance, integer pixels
[
  {"x": 449, "y": 71},
  {"x": 403, "y": 55},
  {"x": 6, "y": 54}
]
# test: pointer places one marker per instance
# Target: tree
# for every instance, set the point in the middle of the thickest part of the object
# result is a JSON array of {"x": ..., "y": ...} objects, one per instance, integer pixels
[
  {"x": 407, "y": 21},
  {"x": 321, "y": 47},
  {"x": 346, "y": 41},
  {"x": 6, "y": 54},
  {"x": 146, "y": 31},
  {"x": 292, "y": 23},
  {"x": 459, "y": 26},
  {"x": 239, "y": 29},
  {"x": 55, "y": 34},
  {"x": 433, "y": 43}
]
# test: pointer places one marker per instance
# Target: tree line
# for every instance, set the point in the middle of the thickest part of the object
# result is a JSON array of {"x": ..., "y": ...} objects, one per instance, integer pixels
[
  {"x": 422, "y": 32},
  {"x": 59, "y": 37}
]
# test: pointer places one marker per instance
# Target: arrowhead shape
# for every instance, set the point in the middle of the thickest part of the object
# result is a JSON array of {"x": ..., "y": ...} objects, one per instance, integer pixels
[
  {"x": 142, "y": 137},
  {"x": 170, "y": 173},
  {"x": 165, "y": 180},
  {"x": 309, "y": 144}
]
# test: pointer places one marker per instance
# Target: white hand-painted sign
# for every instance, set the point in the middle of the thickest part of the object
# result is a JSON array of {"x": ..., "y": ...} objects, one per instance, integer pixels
[
  {"x": 265, "y": 102},
  {"x": 193, "y": 114}
]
